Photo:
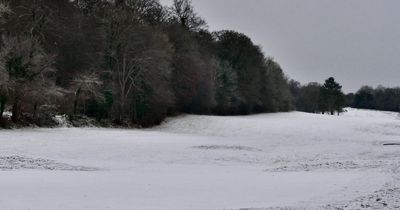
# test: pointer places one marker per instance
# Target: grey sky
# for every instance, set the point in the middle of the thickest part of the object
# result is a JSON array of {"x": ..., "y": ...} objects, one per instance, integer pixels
[{"x": 356, "y": 41}]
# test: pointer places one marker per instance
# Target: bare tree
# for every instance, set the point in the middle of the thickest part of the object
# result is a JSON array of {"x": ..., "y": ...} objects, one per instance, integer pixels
[
  {"x": 139, "y": 61},
  {"x": 147, "y": 11},
  {"x": 4, "y": 9},
  {"x": 86, "y": 86},
  {"x": 183, "y": 12}
]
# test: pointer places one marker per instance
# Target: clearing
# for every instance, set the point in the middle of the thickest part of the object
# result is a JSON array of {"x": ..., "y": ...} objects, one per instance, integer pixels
[{"x": 268, "y": 161}]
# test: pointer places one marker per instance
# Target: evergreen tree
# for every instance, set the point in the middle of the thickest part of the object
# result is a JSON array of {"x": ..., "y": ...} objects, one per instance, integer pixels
[{"x": 332, "y": 97}]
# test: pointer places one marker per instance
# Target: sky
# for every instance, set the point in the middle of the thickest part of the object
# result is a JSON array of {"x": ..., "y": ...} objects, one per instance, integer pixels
[{"x": 355, "y": 41}]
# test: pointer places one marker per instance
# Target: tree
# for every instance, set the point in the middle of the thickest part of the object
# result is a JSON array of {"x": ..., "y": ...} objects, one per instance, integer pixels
[
  {"x": 153, "y": 95},
  {"x": 226, "y": 88},
  {"x": 192, "y": 72},
  {"x": 86, "y": 87},
  {"x": 349, "y": 99},
  {"x": 309, "y": 98},
  {"x": 276, "y": 95},
  {"x": 182, "y": 12},
  {"x": 28, "y": 17},
  {"x": 364, "y": 98},
  {"x": 332, "y": 97},
  {"x": 147, "y": 11},
  {"x": 138, "y": 58},
  {"x": 248, "y": 62},
  {"x": 4, "y": 10},
  {"x": 28, "y": 67}
]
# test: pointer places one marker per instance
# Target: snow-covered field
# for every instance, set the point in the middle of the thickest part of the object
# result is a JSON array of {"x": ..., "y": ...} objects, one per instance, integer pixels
[{"x": 278, "y": 161}]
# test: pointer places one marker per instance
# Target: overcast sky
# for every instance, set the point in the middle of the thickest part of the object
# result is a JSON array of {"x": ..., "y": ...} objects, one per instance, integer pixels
[{"x": 356, "y": 41}]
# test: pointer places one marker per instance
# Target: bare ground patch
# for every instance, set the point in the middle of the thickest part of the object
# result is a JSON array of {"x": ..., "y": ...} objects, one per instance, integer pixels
[{"x": 16, "y": 162}]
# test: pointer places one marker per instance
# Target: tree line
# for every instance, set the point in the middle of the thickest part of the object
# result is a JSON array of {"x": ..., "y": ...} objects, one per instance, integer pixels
[
  {"x": 329, "y": 98},
  {"x": 129, "y": 62},
  {"x": 380, "y": 98}
]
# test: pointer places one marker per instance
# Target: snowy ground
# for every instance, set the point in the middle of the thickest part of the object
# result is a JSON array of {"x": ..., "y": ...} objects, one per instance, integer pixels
[{"x": 270, "y": 161}]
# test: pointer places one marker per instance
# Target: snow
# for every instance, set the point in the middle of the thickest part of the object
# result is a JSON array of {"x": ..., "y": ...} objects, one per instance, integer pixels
[
  {"x": 7, "y": 114},
  {"x": 62, "y": 121},
  {"x": 279, "y": 161}
]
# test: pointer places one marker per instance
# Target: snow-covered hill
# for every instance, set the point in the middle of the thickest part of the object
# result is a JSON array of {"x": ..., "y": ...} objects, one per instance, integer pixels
[{"x": 294, "y": 160}]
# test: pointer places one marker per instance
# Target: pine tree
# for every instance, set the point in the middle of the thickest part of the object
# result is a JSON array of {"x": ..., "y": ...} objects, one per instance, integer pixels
[{"x": 332, "y": 97}]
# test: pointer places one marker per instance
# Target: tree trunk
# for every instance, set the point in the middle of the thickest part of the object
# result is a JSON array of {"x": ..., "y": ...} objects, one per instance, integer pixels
[
  {"x": 15, "y": 111},
  {"x": 2, "y": 106},
  {"x": 75, "y": 106},
  {"x": 120, "y": 113},
  {"x": 35, "y": 110},
  {"x": 75, "y": 109}
]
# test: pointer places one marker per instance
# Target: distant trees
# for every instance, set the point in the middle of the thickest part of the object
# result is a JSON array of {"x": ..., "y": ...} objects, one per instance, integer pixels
[
  {"x": 317, "y": 98},
  {"x": 380, "y": 98},
  {"x": 364, "y": 98},
  {"x": 130, "y": 62},
  {"x": 349, "y": 99},
  {"x": 307, "y": 97}
]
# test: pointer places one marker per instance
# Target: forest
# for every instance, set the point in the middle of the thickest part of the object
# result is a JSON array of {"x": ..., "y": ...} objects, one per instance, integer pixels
[
  {"x": 129, "y": 62},
  {"x": 135, "y": 62}
]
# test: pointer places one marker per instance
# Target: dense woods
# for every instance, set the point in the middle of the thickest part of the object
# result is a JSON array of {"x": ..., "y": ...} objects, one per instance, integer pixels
[{"x": 128, "y": 62}]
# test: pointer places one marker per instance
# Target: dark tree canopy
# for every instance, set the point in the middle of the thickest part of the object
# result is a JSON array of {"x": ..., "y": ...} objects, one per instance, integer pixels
[
  {"x": 129, "y": 62},
  {"x": 380, "y": 98},
  {"x": 332, "y": 97},
  {"x": 135, "y": 62}
]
